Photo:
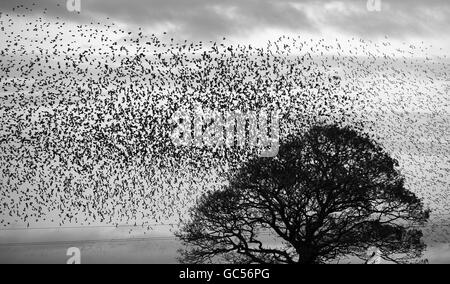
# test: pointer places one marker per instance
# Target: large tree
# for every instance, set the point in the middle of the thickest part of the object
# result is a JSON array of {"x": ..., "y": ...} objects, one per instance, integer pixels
[{"x": 329, "y": 194}]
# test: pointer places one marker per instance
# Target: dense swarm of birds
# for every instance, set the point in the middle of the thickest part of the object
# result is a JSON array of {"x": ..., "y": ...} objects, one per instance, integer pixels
[{"x": 85, "y": 115}]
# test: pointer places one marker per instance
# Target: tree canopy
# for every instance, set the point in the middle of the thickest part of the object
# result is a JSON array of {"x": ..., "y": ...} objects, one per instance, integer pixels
[{"x": 331, "y": 193}]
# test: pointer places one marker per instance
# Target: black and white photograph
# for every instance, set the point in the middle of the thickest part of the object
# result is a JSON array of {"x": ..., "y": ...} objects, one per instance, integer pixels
[{"x": 248, "y": 133}]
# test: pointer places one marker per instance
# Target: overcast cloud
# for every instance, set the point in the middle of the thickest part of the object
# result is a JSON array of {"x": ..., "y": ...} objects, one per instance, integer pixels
[{"x": 213, "y": 18}]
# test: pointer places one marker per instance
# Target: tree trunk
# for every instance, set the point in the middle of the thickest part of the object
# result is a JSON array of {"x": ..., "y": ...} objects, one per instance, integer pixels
[{"x": 307, "y": 255}]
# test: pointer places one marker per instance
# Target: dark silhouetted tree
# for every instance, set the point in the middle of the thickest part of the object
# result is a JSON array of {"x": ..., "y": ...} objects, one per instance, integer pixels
[{"x": 330, "y": 194}]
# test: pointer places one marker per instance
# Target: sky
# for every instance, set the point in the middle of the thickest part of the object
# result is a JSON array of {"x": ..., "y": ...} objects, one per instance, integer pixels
[
  {"x": 258, "y": 20},
  {"x": 253, "y": 22}
]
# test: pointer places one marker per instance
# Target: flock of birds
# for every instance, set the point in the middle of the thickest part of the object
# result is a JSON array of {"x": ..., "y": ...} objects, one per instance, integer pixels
[{"x": 85, "y": 115}]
